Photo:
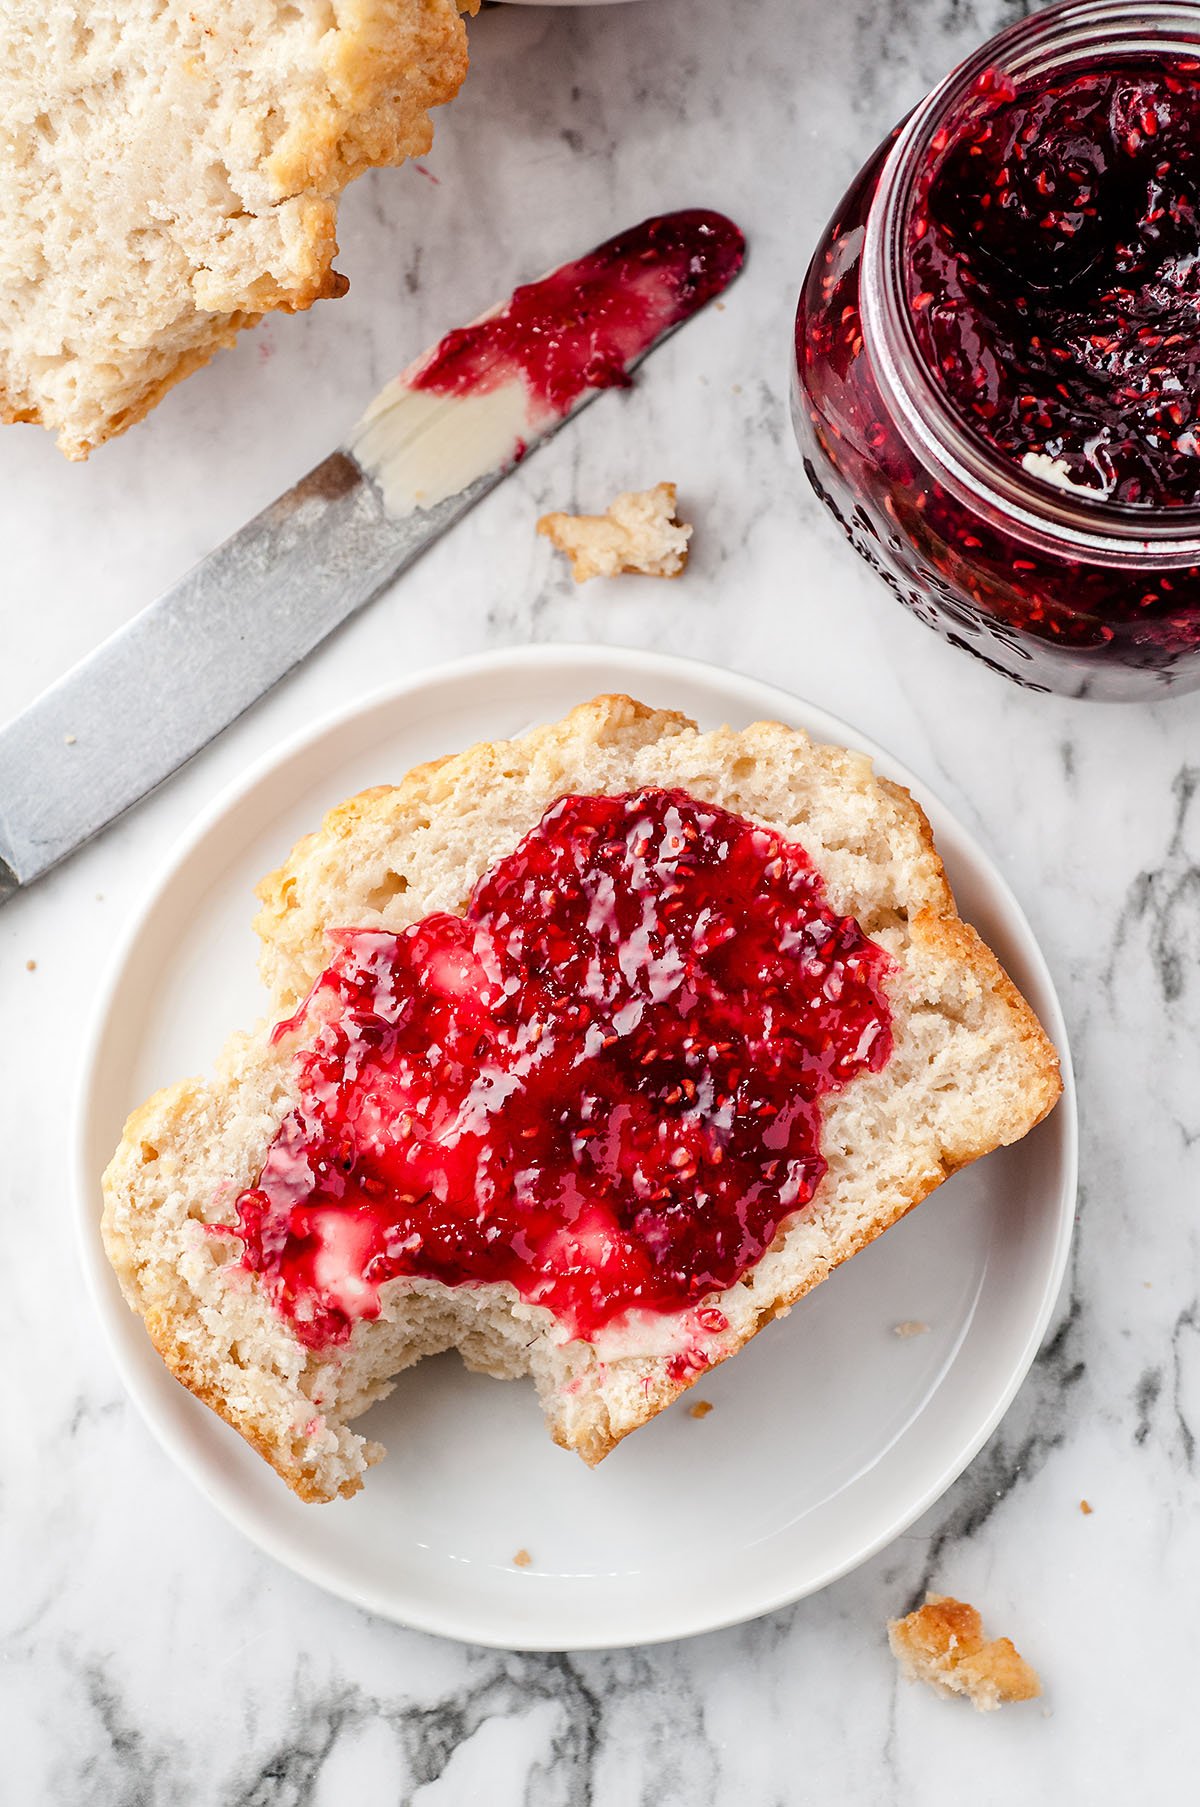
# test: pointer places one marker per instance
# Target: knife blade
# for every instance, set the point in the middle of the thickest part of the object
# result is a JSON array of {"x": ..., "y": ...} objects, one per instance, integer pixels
[{"x": 436, "y": 440}]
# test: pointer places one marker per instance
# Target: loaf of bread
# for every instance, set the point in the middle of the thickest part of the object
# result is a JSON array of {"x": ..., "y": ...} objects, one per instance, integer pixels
[
  {"x": 169, "y": 171},
  {"x": 970, "y": 1069}
]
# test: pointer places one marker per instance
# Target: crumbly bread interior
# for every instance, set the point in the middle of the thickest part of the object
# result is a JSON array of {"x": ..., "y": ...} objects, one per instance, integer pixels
[
  {"x": 169, "y": 171},
  {"x": 942, "y": 1644},
  {"x": 971, "y": 1069},
  {"x": 638, "y": 532}
]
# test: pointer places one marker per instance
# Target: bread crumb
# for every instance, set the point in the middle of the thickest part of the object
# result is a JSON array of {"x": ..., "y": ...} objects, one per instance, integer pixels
[
  {"x": 701, "y": 1409},
  {"x": 522, "y": 1559},
  {"x": 68, "y": 740},
  {"x": 1085, "y": 1508},
  {"x": 942, "y": 1644},
  {"x": 639, "y": 532},
  {"x": 31, "y": 966},
  {"x": 910, "y": 1327}
]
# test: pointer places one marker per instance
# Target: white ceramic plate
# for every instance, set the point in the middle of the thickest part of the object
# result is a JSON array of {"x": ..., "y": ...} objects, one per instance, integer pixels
[{"x": 845, "y": 1431}]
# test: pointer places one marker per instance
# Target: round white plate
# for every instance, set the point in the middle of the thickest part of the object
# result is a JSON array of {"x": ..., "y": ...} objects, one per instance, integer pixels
[{"x": 828, "y": 1435}]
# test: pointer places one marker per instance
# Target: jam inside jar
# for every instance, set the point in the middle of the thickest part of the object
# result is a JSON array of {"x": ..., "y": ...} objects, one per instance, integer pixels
[{"x": 997, "y": 380}]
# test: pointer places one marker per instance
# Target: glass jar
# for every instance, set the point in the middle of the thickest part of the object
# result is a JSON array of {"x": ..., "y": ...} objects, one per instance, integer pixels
[{"x": 1055, "y": 587}]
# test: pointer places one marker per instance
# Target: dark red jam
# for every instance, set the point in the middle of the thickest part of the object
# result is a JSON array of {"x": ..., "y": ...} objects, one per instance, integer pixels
[
  {"x": 1054, "y": 273},
  {"x": 584, "y": 325},
  {"x": 1049, "y": 289},
  {"x": 602, "y": 1084}
]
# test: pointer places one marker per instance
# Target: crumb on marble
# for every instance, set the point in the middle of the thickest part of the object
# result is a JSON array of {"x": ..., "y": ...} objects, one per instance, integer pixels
[
  {"x": 31, "y": 966},
  {"x": 910, "y": 1327},
  {"x": 68, "y": 740},
  {"x": 700, "y": 1409},
  {"x": 1086, "y": 1508},
  {"x": 942, "y": 1644},
  {"x": 522, "y": 1559},
  {"x": 639, "y": 532}
]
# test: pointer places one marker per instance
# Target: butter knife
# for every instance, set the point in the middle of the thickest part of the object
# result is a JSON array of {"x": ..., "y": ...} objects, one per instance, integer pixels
[{"x": 432, "y": 444}]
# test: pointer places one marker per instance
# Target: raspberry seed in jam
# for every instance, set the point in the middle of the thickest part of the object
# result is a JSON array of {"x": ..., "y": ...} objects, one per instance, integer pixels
[{"x": 602, "y": 1084}]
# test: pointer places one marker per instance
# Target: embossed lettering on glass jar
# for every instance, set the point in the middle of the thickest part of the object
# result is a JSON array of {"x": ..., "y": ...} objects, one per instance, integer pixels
[{"x": 998, "y": 353}]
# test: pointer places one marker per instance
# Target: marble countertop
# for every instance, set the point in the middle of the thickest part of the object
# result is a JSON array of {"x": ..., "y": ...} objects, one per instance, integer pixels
[{"x": 151, "y": 1656}]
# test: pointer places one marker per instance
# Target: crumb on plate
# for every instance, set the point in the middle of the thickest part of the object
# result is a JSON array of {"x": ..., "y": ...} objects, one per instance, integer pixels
[
  {"x": 1085, "y": 1508},
  {"x": 522, "y": 1559},
  {"x": 639, "y": 532},
  {"x": 910, "y": 1327},
  {"x": 942, "y": 1644},
  {"x": 700, "y": 1409}
]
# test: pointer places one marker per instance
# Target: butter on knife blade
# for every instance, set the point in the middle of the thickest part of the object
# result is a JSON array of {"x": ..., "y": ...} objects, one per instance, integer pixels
[{"x": 434, "y": 442}]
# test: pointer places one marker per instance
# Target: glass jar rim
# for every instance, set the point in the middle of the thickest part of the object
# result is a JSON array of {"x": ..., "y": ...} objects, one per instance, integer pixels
[{"x": 1054, "y": 519}]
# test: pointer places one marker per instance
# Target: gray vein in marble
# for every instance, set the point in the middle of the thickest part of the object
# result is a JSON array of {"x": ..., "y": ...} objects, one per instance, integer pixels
[
  {"x": 143, "y": 1769},
  {"x": 1165, "y": 900},
  {"x": 1187, "y": 1323},
  {"x": 1149, "y": 1387}
]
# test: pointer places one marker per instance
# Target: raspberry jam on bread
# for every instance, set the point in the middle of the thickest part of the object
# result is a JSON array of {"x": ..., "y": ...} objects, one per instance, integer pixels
[
  {"x": 601, "y": 1084},
  {"x": 584, "y": 325}
]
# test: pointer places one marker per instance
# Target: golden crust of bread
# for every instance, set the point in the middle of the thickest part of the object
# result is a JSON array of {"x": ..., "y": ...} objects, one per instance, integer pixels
[
  {"x": 942, "y": 1644},
  {"x": 258, "y": 1433},
  {"x": 387, "y": 74}
]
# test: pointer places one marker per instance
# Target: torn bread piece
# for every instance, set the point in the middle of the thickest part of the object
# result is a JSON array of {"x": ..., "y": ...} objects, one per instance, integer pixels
[
  {"x": 969, "y": 1069},
  {"x": 942, "y": 1644},
  {"x": 171, "y": 171},
  {"x": 638, "y": 532}
]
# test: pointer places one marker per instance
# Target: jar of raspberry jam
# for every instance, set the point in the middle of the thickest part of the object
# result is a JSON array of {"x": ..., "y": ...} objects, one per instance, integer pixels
[{"x": 997, "y": 380}]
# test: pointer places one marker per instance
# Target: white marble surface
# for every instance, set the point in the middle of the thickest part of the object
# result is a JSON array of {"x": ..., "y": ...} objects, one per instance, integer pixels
[{"x": 149, "y": 1655}]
